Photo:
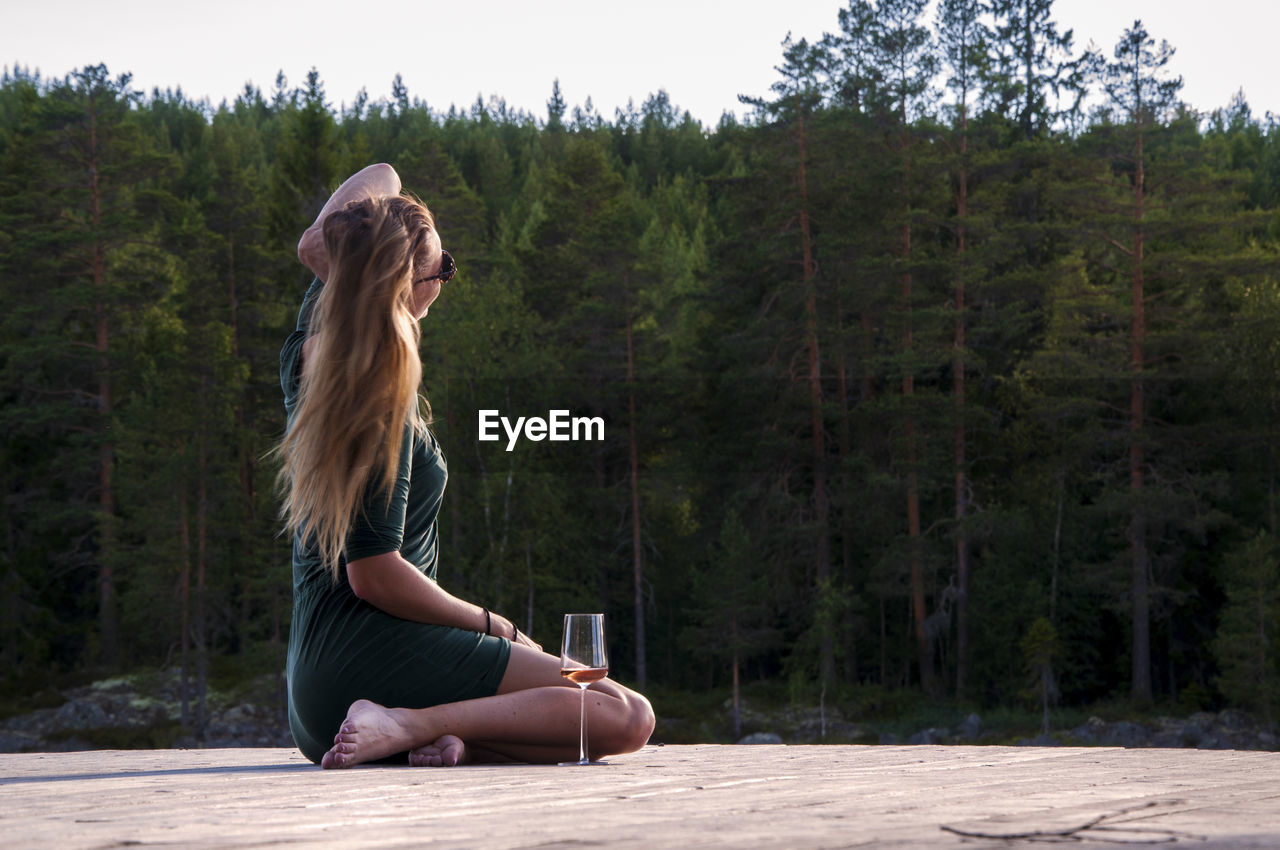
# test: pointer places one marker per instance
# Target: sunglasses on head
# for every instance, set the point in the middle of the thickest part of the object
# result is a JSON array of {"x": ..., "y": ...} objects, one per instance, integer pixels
[{"x": 447, "y": 269}]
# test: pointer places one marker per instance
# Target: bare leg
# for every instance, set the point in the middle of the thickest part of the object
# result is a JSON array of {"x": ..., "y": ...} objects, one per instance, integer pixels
[{"x": 533, "y": 717}]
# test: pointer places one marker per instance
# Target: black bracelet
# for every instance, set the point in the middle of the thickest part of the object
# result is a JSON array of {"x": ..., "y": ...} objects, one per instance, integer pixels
[{"x": 488, "y": 622}]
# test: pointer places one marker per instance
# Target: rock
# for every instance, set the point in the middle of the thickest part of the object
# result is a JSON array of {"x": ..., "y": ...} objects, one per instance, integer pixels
[
  {"x": 1201, "y": 720},
  {"x": 761, "y": 738},
  {"x": 1214, "y": 741},
  {"x": 890, "y": 739},
  {"x": 1041, "y": 740},
  {"x": 929, "y": 736},
  {"x": 66, "y": 745},
  {"x": 1176, "y": 738},
  {"x": 137, "y": 704},
  {"x": 18, "y": 742},
  {"x": 80, "y": 714},
  {"x": 1231, "y": 720},
  {"x": 1089, "y": 732},
  {"x": 1125, "y": 734},
  {"x": 971, "y": 727},
  {"x": 238, "y": 713}
]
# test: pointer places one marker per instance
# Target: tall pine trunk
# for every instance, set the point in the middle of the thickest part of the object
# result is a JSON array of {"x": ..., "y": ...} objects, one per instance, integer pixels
[
  {"x": 846, "y": 480},
  {"x": 202, "y": 556},
  {"x": 821, "y": 505},
  {"x": 637, "y": 549},
  {"x": 957, "y": 368},
  {"x": 184, "y": 589},
  {"x": 1141, "y": 648},
  {"x": 737, "y": 697},
  {"x": 916, "y": 557},
  {"x": 108, "y": 632}
]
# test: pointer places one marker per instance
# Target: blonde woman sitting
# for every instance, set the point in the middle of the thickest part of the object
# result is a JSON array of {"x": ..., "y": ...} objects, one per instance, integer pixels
[{"x": 382, "y": 660}]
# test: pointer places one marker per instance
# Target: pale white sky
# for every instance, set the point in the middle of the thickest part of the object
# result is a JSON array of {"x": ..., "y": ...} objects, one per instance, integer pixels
[{"x": 703, "y": 52}]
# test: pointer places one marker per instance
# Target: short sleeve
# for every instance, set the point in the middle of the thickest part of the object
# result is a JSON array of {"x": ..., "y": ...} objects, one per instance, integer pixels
[{"x": 378, "y": 527}]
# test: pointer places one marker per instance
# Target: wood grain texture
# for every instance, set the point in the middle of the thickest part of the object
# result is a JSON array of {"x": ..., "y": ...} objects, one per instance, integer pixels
[{"x": 674, "y": 796}]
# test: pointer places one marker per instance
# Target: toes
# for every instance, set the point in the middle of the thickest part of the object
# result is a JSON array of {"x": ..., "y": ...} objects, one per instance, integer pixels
[
  {"x": 337, "y": 756},
  {"x": 425, "y": 758}
]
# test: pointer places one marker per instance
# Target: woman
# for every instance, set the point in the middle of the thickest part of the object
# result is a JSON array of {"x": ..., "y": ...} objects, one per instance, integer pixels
[{"x": 382, "y": 660}]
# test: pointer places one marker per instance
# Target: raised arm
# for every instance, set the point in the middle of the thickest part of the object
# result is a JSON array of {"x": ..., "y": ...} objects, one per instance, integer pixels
[{"x": 374, "y": 181}]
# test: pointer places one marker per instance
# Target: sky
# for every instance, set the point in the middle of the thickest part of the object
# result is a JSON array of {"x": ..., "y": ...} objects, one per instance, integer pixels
[{"x": 703, "y": 53}]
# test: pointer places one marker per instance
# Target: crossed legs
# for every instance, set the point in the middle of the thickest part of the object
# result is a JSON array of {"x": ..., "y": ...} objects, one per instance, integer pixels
[{"x": 532, "y": 718}]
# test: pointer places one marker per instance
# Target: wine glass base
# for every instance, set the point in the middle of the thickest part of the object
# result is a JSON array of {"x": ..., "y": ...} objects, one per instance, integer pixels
[{"x": 581, "y": 763}]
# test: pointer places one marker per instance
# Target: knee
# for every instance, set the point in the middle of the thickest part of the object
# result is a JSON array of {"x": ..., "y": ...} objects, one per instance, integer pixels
[{"x": 640, "y": 722}]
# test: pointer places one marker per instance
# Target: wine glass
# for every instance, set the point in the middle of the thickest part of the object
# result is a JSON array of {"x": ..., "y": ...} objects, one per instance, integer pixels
[{"x": 583, "y": 661}]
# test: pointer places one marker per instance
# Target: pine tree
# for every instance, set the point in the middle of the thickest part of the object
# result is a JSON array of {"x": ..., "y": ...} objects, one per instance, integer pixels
[
  {"x": 906, "y": 50},
  {"x": 555, "y": 108},
  {"x": 1245, "y": 645},
  {"x": 731, "y": 619},
  {"x": 1033, "y": 62},
  {"x": 962, "y": 38},
  {"x": 799, "y": 93},
  {"x": 307, "y": 161},
  {"x": 87, "y": 198},
  {"x": 1136, "y": 89}
]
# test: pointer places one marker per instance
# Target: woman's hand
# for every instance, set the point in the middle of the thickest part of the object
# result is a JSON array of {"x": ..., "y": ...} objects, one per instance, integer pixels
[
  {"x": 525, "y": 640},
  {"x": 502, "y": 627}
]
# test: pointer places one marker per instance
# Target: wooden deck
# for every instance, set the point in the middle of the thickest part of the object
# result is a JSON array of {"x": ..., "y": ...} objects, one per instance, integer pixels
[{"x": 674, "y": 796}]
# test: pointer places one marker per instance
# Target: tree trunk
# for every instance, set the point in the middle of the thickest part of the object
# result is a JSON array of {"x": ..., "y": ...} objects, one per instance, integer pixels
[
  {"x": 1028, "y": 65},
  {"x": 637, "y": 549},
  {"x": 884, "y": 643},
  {"x": 923, "y": 648},
  {"x": 1057, "y": 552},
  {"x": 184, "y": 589},
  {"x": 108, "y": 631},
  {"x": 244, "y": 464},
  {"x": 737, "y": 700},
  {"x": 1137, "y": 409},
  {"x": 202, "y": 554},
  {"x": 455, "y": 504},
  {"x": 528, "y": 566},
  {"x": 822, "y": 551},
  {"x": 957, "y": 368},
  {"x": 846, "y": 483}
]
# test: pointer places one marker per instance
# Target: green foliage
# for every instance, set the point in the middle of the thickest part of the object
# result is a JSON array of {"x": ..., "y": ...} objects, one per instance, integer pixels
[
  {"x": 649, "y": 264},
  {"x": 1245, "y": 645},
  {"x": 1039, "y": 646}
]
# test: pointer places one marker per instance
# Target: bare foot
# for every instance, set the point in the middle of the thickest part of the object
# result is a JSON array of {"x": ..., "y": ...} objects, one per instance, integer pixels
[
  {"x": 369, "y": 732},
  {"x": 445, "y": 751}
]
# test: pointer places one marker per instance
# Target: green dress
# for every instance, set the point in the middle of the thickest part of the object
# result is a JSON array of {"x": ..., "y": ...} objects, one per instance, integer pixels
[{"x": 341, "y": 648}]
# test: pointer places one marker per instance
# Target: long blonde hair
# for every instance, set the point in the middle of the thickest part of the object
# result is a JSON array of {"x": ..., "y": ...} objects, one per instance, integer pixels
[{"x": 361, "y": 391}]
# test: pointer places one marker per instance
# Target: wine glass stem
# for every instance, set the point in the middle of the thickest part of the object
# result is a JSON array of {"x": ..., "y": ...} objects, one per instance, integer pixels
[{"x": 582, "y": 726}]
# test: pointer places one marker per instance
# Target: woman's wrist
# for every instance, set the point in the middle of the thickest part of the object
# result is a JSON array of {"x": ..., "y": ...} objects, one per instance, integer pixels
[{"x": 489, "y": 618}]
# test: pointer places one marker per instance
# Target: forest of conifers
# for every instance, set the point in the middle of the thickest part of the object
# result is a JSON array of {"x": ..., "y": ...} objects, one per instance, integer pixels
[{"x": 952, "y": 369}]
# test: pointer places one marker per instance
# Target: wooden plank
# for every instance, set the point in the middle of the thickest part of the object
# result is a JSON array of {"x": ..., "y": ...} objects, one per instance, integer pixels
[{"x": 675, "y": 796}]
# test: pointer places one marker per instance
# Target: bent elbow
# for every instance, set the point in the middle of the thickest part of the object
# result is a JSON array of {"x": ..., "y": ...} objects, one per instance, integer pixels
[
  {"x": 368, "y": 577},
  {"x": 361, "y": 583}
]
